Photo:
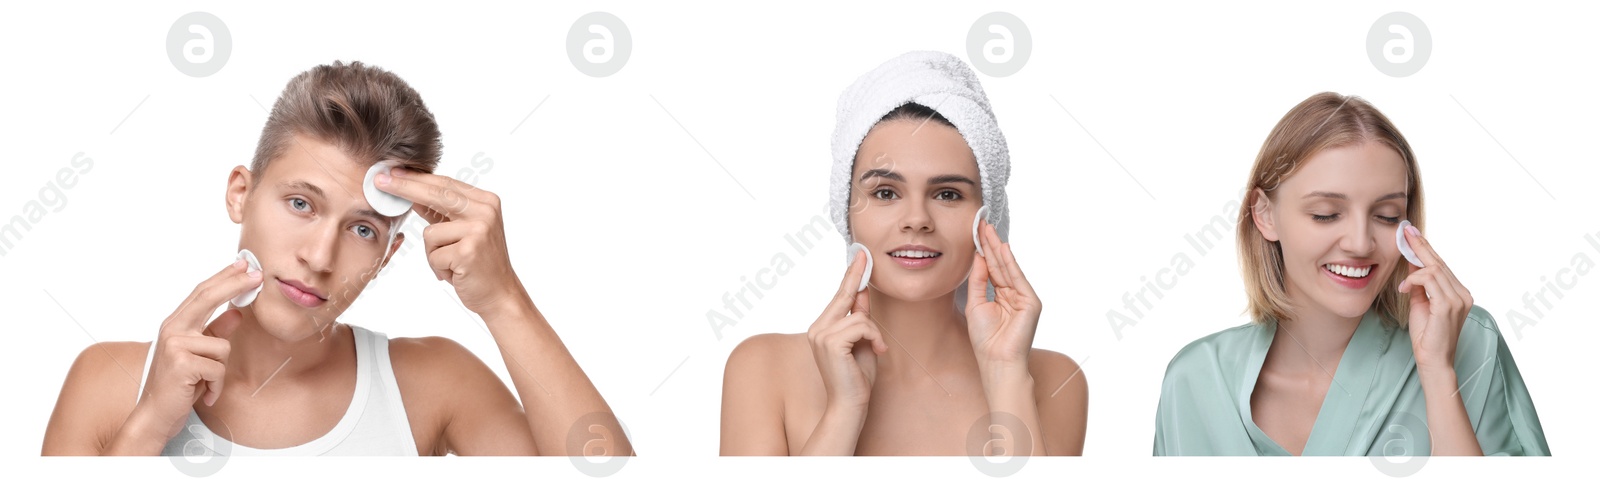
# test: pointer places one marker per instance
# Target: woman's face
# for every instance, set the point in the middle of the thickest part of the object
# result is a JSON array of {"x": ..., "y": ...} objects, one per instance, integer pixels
[
  {"x": 318, "y": 240},
  {"x": 1335, "y": 219},
  {"x": 914, "y": 193}
]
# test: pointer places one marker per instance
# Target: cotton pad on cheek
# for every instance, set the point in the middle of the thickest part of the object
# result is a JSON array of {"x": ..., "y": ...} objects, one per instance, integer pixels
[
  {"x": 850, "y": 258},
  {"x": 382, "y": 202},
  {"x": 975, "y": 219},
  {"x": 244, "y": 299},
  {"x": 1405, "y": 248}
]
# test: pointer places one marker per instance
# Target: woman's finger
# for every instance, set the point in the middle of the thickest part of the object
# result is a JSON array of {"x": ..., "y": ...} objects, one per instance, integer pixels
[
  {"x": 991, "y": 245},
  {"x": 977, "y": 283},
  {"x": 1422, "y": 247},
  {"x": 1018, "y": 280},
  {"x": 845, "y": 298}
]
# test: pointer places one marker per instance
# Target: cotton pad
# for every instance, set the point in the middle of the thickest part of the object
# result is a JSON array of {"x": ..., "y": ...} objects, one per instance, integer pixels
[
  {"x": 850, "y": 258},
  {"x": 1405, "y": 248},
  {"x": 387, "y": 204},
  {"x": 975, "y": 219},
  {"x": 246, "y": 298}
]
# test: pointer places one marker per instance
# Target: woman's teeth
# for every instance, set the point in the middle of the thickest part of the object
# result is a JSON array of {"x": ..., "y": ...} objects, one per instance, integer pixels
[
  {"x": 914, "y": 254},
  {"x": 1349, "y": 271}
]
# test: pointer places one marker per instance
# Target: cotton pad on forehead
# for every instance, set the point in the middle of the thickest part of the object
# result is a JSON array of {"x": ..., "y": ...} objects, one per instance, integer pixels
[
  {"x": 387, "y": 204},
  {"x": 246, "y": 298},
  {"x": 1405, "y": 248},
  {"x": 850, "y": 258}
]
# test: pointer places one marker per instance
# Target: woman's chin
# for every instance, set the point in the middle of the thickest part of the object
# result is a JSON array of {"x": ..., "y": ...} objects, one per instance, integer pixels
[
  {"x": 913, "y": 291},
  {"x": 1347, "y": 307}
]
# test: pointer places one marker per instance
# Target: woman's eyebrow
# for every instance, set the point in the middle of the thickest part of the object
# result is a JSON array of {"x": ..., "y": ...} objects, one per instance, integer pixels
[
  {"x": 1342, "y": 196},
  {"x": 949, "y": 178},
  {"x": 884, "y": 173}
]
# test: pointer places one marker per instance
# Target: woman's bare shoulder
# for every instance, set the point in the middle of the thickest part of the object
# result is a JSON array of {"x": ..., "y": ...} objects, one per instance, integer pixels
[
  {"x": 1056, "y": 374},
  {"x": 771, "y": 353}
]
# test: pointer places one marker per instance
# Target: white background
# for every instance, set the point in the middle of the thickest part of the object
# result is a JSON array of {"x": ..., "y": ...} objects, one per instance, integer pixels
[{"x": 627, "y": 228}]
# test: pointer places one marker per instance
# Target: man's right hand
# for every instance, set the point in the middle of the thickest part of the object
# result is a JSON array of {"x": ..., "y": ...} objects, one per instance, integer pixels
[{"x": 191, "y": 355}]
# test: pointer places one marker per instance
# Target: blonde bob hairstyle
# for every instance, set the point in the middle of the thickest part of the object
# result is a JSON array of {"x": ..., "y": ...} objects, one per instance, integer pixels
[{"x": 1321, "y": 122}]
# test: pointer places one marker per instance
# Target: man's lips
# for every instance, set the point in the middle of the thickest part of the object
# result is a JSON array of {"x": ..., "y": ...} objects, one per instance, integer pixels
[{"x": 300, "y": 293}]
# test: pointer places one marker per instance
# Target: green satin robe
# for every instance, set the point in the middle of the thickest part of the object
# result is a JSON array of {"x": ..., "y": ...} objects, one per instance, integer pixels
[{"x": 1374, "y": 407}]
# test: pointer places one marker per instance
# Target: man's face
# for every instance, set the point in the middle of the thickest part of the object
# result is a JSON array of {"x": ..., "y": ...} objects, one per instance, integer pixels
[{"x": 318, "y": 240}]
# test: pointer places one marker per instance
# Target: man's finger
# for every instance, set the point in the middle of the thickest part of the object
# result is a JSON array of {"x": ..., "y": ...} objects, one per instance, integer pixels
[
  {"x": 439, "y": 194},
  {"x": 444, "y": 234},
  {"x": 211, "y": 373},
  {"x": 223, "y": 325},
  {"x": 212, "y": 293}
]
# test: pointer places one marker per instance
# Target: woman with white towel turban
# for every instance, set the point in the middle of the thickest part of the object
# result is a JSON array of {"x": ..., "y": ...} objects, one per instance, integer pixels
[{"x": 926, "y": 349}]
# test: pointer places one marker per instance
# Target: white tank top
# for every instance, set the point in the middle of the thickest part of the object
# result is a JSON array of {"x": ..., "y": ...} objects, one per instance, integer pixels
[{"x": 374, "y": 424}]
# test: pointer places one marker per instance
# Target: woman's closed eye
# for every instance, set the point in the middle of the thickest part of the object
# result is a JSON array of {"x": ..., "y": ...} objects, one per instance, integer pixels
[{"x": 1329, "y": 218}]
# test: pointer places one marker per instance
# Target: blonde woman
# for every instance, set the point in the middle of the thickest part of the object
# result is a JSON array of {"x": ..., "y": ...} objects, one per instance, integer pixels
[{"x": 1352, "y": 349}]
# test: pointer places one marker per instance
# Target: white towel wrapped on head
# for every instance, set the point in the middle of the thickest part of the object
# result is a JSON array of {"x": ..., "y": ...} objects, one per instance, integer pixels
[{"x": 939, "y": 81}]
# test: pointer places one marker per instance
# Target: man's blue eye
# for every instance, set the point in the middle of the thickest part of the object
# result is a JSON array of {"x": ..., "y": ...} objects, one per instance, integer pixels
[
  {"x": 365, "y": 232},
  {"x": 299, "y": 204}
]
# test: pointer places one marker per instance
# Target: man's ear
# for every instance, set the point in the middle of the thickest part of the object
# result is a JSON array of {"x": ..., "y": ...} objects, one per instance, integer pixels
[
  {"x": 399, "y": 238},
  {"x": 240, "y": 181},
  {"x": 1261, "y": 209}
]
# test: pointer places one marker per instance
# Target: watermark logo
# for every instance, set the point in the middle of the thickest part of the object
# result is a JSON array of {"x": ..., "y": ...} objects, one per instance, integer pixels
[
  {"x": 198, "y": 44},
  {"x": 599, "y": 44},
  {"x": 1406, "y": 446},
  {"x": 201, "y": 452},
  {"x": 1553, "y": 288},
  {"x": 592, "y": 443},
  {"x": 52, "y": 198},
  {"x": 998, "y": 44},
  {"x": 1399, "y": 44},
  {"x": 999, "y": 444}
]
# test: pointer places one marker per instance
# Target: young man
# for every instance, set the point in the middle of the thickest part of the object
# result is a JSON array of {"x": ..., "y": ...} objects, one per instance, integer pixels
[{"x": 282, "y": 375}]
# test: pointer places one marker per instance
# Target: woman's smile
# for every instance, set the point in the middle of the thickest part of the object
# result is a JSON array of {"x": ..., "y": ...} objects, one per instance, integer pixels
[
  {"x": 914, "y": 256},
  {"x": 1354, "y": 276}
]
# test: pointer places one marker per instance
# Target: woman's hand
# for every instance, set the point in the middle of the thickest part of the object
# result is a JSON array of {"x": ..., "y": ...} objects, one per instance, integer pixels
[
  {"x": 466, "y": 241},
  {"x": 1002, "y": 338},
  {"x": 1001, "y": 330},
  {"x": 846, "y": 343},
  {"x": 1439, "y": 307}
]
